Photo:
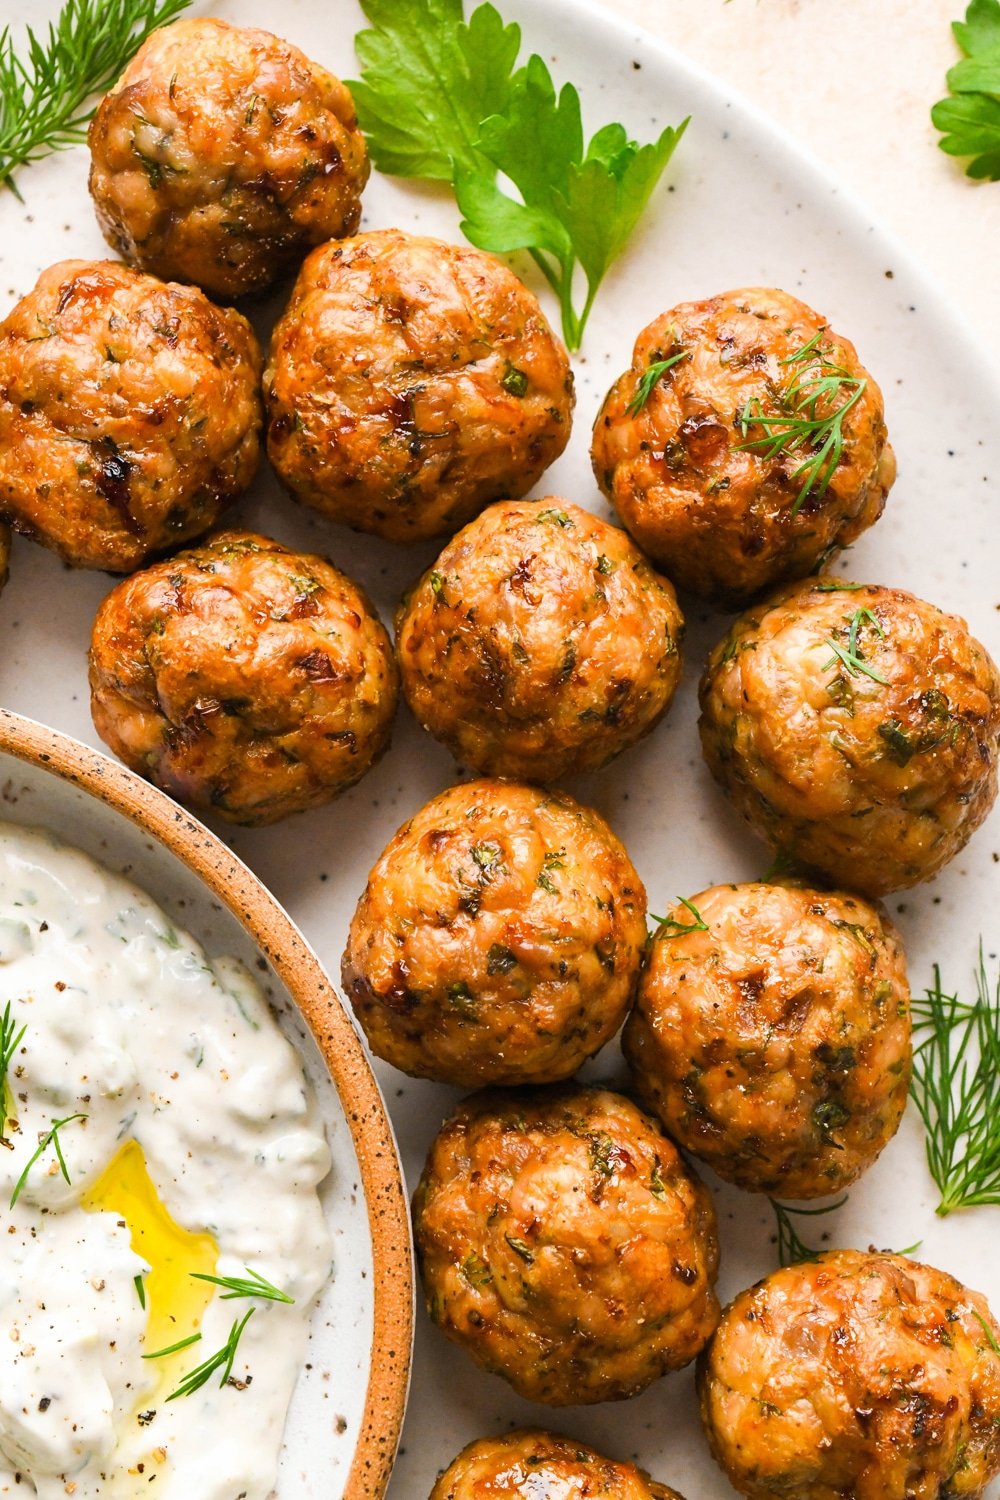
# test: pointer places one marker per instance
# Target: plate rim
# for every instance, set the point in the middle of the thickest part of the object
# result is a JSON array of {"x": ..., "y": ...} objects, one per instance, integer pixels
[{"x": 272, "y": 930}]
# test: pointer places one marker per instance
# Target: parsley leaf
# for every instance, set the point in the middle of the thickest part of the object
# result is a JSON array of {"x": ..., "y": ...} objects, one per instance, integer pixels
[
  {"x": 428, "y": 81},
  {"x": 970, "y": 120},
  {"x": 440, "y": 98}
]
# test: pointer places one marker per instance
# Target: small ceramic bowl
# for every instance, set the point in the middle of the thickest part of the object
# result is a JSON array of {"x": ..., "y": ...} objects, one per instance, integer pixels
[{"x": 346, "y": 1413}]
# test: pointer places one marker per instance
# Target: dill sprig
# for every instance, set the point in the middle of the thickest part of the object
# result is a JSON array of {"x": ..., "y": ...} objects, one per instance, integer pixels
[
  {"x": 222, "y": 1360},
  {"x": 651, "y": 375},
  {"x": 192, "y": 1338},
  {"x": 850, "y": 656},
  {"x": 813, "y": 404},
  {"x": 791, "y": 1248},
  {"x": 956, "y": 1062},
  {"x": 253, "y": 1286},
  {"x": 669, "y": 927},
  {"x": 50, "y": 1138},
  {"x": 45, "y": 94},
  {"x": 10, "y": 1040}
]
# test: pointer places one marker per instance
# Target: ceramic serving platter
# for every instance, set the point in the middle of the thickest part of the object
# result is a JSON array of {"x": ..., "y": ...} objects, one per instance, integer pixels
[{"x": 740, "y": 206}]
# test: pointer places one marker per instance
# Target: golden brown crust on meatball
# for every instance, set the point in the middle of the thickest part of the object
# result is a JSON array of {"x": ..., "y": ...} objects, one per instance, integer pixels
[
  {"x": 855, "y": 728},
  {"x": 243, "y": 678},
  {"x": 534, "y": 1465},
  {"x": 775, "y": 1045},
  {"x": 410, "y": 383},
  {"x": 222, "y": 154},
  {"x": 499, "y": 938},
  {"x": 724, "y": 519},
  {"x": 129, "y": 413},
  {"x": 563, "y": 1244},
  {"x": 540, "y": 644},
  {"x": 855, "y": 1377}
]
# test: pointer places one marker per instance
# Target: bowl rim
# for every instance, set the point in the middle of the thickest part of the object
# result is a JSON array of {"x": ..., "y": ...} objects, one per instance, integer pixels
[{"x": 272, "y": 930}]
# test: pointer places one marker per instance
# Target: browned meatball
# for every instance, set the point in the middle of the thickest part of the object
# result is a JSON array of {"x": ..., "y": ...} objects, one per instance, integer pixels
[
  {"x": 773, "y": 1041},
  {"x": 855, "y": 728},
  {"x": 700, "y": 456},
  {"x": 498, "y": 939},
  {"x": 412, "y": 382},
  {"x": 243, "y": 678},
  {"x": 129, "y": 413},
  {"x": 563, "y": 1244},
  {"x": 540, "y": 644},
  {"x": 222, "y": 154},
  {"x": 536, "y": 1465},
  {"x": 855, "y": 1377}
]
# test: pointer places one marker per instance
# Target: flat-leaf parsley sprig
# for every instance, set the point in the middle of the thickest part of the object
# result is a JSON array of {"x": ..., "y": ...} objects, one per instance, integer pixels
[
  {"x": 969, "y": 120},
  {"x": 956, "y": 1064},
  {"x": 810, "y": 421},
  {"x": 443, "y": 99},
  {"x": 46, "y": 90}
]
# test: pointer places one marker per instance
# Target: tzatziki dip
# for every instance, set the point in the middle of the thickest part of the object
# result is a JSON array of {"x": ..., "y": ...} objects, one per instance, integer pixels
[{"x": 163, "y": 1239}]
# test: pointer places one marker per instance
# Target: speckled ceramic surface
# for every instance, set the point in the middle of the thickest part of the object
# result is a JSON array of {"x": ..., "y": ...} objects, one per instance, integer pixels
[{"x": 740, "y": 207}]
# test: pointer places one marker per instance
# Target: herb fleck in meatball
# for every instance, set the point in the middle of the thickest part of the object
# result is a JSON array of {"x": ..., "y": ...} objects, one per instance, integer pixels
[
  {"x": 499, "y": 938},
  {"x": 535, "y": 1465},
  {"x": 855, "y": 1377},
  {"x": 129, "y": 413},
  {"x": 411, "y": 383},
  {"x": 243, "y": 678},
  {"x": 540, "y": 644},
  {"x": 563, "y": 1244},
  {"x": 774, "y": 1041},
  {"x": 222, "y": 154},
  {"x": 700, "y": 446},
  {"x": 855, "y": 728}
]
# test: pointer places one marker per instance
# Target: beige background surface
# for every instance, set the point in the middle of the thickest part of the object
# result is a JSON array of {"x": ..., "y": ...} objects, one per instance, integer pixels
[{"x": 853, "y": 81}]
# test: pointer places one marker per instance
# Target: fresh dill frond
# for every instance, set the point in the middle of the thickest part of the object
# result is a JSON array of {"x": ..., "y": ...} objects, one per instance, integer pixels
[
  {"x": 850, "y": 656},
  {"x": 222, "y": 1360},
  {"x": 140, "y": 1289},
  {"x": 791, "y": 1248},
  {"x": 46, "y": 89},
  {"x": 253, "y": 1286},
  {"x": 669, "y": 927},
  {"x": 50, "y": 1138},
  {"x": 651, "y": 375},
  {"x": 10, "y": 1040},
  {"x": 956, "y": 1063},
  {"x": 814, "y": 404},
  {"x": 192, "y": 1338}
]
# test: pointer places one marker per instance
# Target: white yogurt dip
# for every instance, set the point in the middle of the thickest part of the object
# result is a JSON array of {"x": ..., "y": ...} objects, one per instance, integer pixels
[{"x": 132, "y": 1027}]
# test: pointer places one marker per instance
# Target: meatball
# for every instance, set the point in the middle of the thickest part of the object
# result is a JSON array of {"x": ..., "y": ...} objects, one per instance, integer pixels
[
  {"x": 540, "y": 644},
  {"x": 535, "y": 1465},
  {"x": 222, "y": 155},
  {"x": 853, "y": 1375},
  {"x": 129, "y": 413},
  {"x": 856, "y": 729},
  {"x": 564, "y": 1245},
  {"x": 243, "y": 678},
  {"x": 410, "y": 383},
  {"x": 498, "y": 940},
  {"x": 696, "y": 444},
  {"x": 772, "y": 1035}
]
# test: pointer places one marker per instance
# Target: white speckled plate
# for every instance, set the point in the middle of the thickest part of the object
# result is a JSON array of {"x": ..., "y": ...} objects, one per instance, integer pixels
[{"x": 741, "y": 206}]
